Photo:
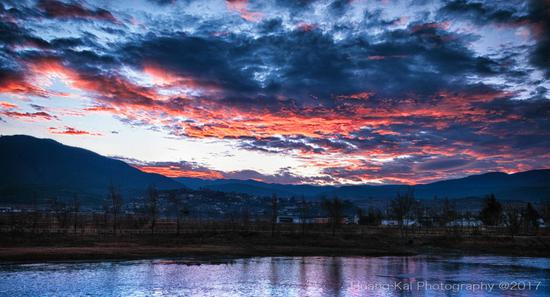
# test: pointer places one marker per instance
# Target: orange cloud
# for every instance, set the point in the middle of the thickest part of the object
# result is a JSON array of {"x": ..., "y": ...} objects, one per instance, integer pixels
[
  {"x": 29, "y": 115},
  {"x": 7, "y": 105},
  {"x": 71, "y": 131},
  {"x": 100, "y": 109},
  {"x": 358, "y": 96},
  {"x": 240, "y": 6},
  {"x": 110, "y": 88},
  {"x": 176, "y": 171},
  {"x": 206, "y": 117},
  {"x": 211, "y": 119},
  {"x": 19, "y": 86},
  {"x": 306, "y": 27},
  {"x": 167, "y": 81}
]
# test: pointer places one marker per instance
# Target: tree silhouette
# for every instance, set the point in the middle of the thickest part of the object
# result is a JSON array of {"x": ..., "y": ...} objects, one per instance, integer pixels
[
  {"x": 179, "y": 209},
  {"x": 274, "y": 212},
  {"x": 514, "y": 219},
  {"x": 491, "y": 213},
  {"x": 152, "y": 206},
  {"x": 335, "y": 209},
  {"x": 116, "y": 201},
  {"x": 304, "y": 213},
  {"x": 545, "y": 210},
  {"x": 35, "y": 213},
  {"x": 531, "y": 217},
  {"x": 402, "y": 208},
  {"x": 76, "y": 210},
  {"x": 372, "y": 218},
  {"x": 448, "y": 212}
]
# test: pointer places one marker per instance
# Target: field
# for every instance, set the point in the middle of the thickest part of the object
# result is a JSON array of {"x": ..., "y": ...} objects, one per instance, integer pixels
[{"x": 246, "y": 239}]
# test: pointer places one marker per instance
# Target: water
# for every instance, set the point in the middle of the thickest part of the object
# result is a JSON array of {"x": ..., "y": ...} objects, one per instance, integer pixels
[{"x": 285, "y": 276}]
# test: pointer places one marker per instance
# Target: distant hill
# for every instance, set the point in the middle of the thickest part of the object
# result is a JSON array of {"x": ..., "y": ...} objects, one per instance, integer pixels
[
  {"x": 46, "y": 168},
  {"x": 523, "y": 186},
  {"x": 253, "y": 187}
]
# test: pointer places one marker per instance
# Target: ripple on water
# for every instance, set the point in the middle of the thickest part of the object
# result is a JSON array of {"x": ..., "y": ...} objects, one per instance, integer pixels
[{"x": 272, "y": 276}]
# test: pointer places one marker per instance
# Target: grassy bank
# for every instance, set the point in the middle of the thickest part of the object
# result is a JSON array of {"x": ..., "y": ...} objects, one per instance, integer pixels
[{"x": 53, "y": 247}]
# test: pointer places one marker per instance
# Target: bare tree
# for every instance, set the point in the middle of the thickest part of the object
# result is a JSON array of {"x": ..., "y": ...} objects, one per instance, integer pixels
[
  {"x": 245, "y": 218},
  {"x": 419, "y": 211},
  {"x": 76, "y": 210},
  {"x": 402, "y": 208},
  {"x": 491, "y": 214},
  {"x": 106, "y": 208},
  {"x": 116, "y": 201},
  {"x": 274, "y": 213},
  {"x": 531, "y": 218},
  {"x": 179, "y": 209},
  {"x": 335, "y": 209},
  {"x": 35, "y": 213},
  {"x": 304, "y": 214},
  {"x": 372, "y": 218},
  {"x": 60, "y": 212},
  {"x": 152, "y": 206},
  {"x": 514, "y": 219},
  {"x": 448, "y": 212},
  {"x": 545, "y": 210}
]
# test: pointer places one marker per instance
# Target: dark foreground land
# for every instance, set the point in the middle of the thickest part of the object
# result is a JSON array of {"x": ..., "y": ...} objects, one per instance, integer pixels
[{"x": 26, "y": 247}]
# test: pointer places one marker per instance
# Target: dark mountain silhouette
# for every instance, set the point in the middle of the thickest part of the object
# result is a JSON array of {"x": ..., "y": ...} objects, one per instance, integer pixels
[
  {"x": 32, "y": 166},
  {"x": 525, "y": 186},
  {"x": 254, "y": 187}
]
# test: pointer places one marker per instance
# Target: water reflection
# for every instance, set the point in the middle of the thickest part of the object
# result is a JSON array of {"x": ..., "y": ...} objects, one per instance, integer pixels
[{"x": 282, "y": 276}]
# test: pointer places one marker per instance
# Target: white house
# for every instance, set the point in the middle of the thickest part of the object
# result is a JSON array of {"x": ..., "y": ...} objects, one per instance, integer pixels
[
  {"x": 465, "y": 222},
  {"x": 287, "y": 219},
  {"x": 406, "y": 222}
]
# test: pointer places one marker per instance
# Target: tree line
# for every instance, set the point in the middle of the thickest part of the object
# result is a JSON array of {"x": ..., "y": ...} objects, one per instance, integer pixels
[{"x": 404, "y": 209}]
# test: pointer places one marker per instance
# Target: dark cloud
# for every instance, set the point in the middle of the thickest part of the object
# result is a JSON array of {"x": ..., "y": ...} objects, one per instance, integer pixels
[
  {"x": 339, "y": 7},
  {"x": 279, "y": 144},
  {"x": 395, "y": 96},
  {"x": 283, "y": 176},
  {"x": 446, "y": 163},
  {"x": 12, "y": 33},
  {"x": 192, "y": 169},
  {"x": 38, "y": 107},
  {"x": 310, "y": 67},
  {"x": 539, "y": 16},
  {"x": 74, "y": 10},
  {"x": 536, "y": 17},
  {"x": 480, "y": 11},
  {"x": 163, "y": 2}
]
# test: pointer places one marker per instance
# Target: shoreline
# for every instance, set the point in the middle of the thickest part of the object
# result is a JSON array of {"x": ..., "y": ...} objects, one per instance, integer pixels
[
  {"x": 38, "y": 254},
  {"x": 55, "y": 254},
  {"x": 55, "y": 247}
]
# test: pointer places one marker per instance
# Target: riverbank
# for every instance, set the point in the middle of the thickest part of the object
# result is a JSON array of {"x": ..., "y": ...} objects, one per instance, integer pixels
[
  {"x": 66, "y": 247},
  {"x": 132, "y": 252}
]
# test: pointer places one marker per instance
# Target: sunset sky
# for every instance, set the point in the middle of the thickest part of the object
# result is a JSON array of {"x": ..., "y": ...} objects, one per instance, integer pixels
[{"x": 286, "y": 91}]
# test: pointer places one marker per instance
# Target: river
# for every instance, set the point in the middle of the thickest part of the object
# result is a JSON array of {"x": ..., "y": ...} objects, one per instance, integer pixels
[{"x": 284, "y": 276}]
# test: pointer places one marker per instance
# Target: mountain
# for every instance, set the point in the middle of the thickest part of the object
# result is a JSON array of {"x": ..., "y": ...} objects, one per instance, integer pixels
[
  {"x": 32, "y": 166},
  {"x": 253, "y": 187},
  {"x": 524, "y": 186}
]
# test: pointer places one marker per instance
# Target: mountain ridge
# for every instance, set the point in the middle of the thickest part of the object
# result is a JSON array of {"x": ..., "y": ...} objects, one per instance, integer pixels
[
  {"x": 45, "y": 165},
  {"x": 479, "y": 185}
]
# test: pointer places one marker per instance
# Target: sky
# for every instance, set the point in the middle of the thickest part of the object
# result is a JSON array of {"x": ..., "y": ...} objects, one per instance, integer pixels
[{"x": 284, "y": 91}]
